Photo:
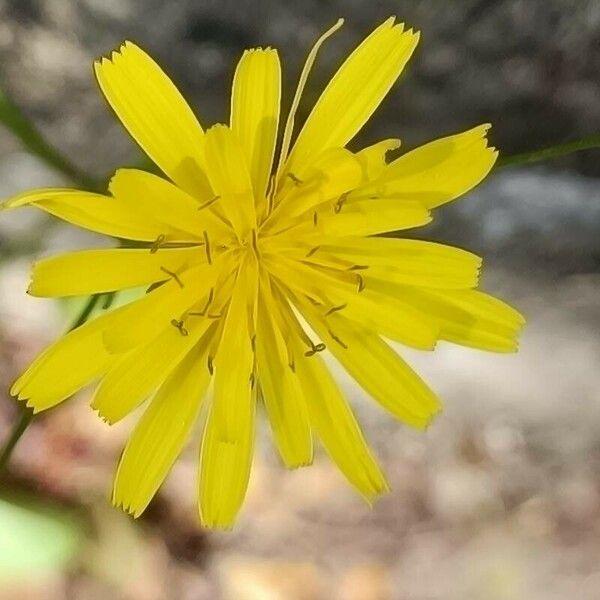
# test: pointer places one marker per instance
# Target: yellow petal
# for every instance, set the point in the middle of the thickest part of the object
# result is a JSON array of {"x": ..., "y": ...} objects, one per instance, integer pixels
[
  {"x": 235, "y": 360},
  {"x": 96, "y": 212},
  {"x": 161, "y": 433},
  {"x": 370, "y": 217},
  {"x": 230, "y": 179},
  {"x": 225, "y": 465},
  {"x": 255, "y": 103},
  {"x": 96, "y": 271},
  {"x": 140, "y": 372},
  {"x": 331, "y": 174},
  {"x": 377, "y": 368},
  {"x": 156, "y": 115},
  {"x": 334, "y": 423},
  {"x": 146, "y": 317},
  {"x": 408, "y": 262},
  {"x": 355, "y": 91},
  {"x": 283, "y": 398},
  {"x": 437, "y": 172},
  {"x": 159, "y": 200},
  {"x": 372, "y": 158},
  {"x": 67, "y": 365}
]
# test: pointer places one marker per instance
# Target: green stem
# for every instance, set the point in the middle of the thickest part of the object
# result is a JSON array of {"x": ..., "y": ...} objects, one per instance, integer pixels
[
  {"x": 26, "y": 412},
  {"x": 549, "y": 153}
]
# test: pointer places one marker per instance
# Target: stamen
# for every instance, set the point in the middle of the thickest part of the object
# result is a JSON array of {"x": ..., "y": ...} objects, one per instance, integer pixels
[
  {"x": 202, "y": 312},
  {"x": 173, "y": 275},
  {"x": 252, "y": 380},
  {"x": 214, "y": 315},
  {"x": 334, "y": 309},
  {"x": 207, "y": 204},
  {"x": 360, "y": 283},
  {"x": 337, "y": 339},
  {"x": 253, "y": 343},
  {"x": 207, "y": 247},
  {"x": 315, "y": 348},
  {"x": 158, "y": 242},
  {"x": 313, "y": 301},
  {"x": 340, "y": 202},
  {"x": 312, "y": 251},
  {"x": 315, "y": 218},
  {"x": 358, "y": 267},
  {"x": 210, "y": 365},
  {"x": 295, "y": 179},
  {"x": 179, "y": 325}
]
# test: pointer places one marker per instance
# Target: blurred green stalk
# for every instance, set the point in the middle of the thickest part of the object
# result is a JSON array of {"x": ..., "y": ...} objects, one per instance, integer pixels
[{"x": 526, "y": 158}]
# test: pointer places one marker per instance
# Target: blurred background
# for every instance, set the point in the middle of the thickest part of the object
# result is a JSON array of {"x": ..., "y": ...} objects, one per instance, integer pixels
[{"x": 500, "y": 499}]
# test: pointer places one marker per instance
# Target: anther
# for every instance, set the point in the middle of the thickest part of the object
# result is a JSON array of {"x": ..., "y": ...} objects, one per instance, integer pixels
[
  {"x": 207, "y": 247},
  {"x": 173, "y": 275},
  {"x": 295, "y": 179},
  {"x": 337, "y": 339},
  {"x": 202, "y": 312},
  {"x": 214, "y": 315},
  {"x": 358, "y": 267},
  {"x": 207, "y": 204},
  {"x": 312, "y": 251},
  {"x": 334, "y": 309},
  {"x": 340, "y": 202},
  {"x": 315, "y": 218},
  {"x": 158, "y": 242},
  {"x": 253, "y": 343},
  {"x": 179, "y": 326},
  {"x": 360, "y": 283},
  {"x": 210, "y": 365},
  {"x": 316, "y": 348},
  {"x": 252, "y": 380}
]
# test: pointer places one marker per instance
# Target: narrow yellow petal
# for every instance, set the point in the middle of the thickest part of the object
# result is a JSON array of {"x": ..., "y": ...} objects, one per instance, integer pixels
[
  {"x": 337, "y": 428},
  {"x": 355, "y": 91},
  {"x": 255, "y": 101},
  {"x": 96, "y": 271},
  {"x": 373, "y": 158},
  {"x": 95, "y": 212},
  {"x": 370, "y": 217},
  {"x": 66, "y": 366},
  {"x": 235, "y": 360},
  {"x": 377, "y": 368},
  {"x": 156, "y": 115},
  {"x": 161, "y": 433},
  {"x": 437, "y": 172},
  {"x": 225, "y": 464},
  {"x": 141, "y": 371},
  {"x": 159, "y": 200},
  {"x": 146, "y": 317},
  {"x": 282, "y": 395},
  {"x": 230, "y": 179}
]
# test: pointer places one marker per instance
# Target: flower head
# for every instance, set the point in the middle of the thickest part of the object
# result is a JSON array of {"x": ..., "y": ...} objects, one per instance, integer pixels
[{"x": 254, "y": 263}]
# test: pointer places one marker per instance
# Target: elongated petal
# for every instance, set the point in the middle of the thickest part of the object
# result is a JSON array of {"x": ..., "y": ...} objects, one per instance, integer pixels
[
  {"x": 282, "y": 395},
  {"x": 66, "y": 366},
  {"x": 159, "y": 200},
  {"x": 96, "y": 271},
  {"x": 378, "y": 369},
  {"x": 230, "y": 178},
  {"x": 95, "y": 212},
  {"x": 140, "y": 372},
  {"x": 161, "y": 433},
  {"x": 156, "y": 115},
  {"x": 370, "y": 217},
  {"x": 372, "y": 158},
  {"x": 235, "y": 360},
  {"x": 337, "y": 428},
  {"x": 255, "y": 104},
  {"x": 355, "y": 91},
  {"x": 437, "y": 172},
  {"x": 225, "y": 465}
]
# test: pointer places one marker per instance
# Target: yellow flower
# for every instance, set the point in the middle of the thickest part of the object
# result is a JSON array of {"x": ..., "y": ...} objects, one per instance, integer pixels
[{"x": 254, "y": 266}]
